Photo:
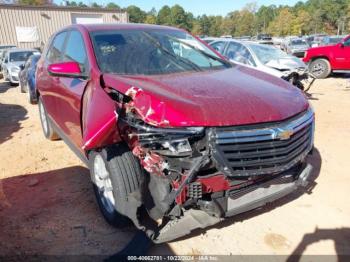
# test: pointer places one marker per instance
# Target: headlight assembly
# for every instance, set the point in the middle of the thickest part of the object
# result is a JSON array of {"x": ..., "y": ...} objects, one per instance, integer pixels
[{"x": 165, "y": 141}]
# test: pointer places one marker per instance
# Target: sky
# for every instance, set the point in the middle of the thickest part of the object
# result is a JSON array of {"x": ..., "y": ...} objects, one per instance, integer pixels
[{"x": 197, "y": 7}]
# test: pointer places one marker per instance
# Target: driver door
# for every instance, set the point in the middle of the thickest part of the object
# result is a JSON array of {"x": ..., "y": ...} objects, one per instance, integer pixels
[{"x": 70, "y": 90}]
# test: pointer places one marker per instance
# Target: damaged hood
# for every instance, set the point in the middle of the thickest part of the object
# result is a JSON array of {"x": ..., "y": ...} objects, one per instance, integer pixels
[
  {"x": 286, "y": 63},
  {"x": 235, "y": 96}
]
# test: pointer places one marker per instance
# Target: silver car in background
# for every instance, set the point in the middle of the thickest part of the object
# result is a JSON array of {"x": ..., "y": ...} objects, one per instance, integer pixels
[
  {"x": 297, "y": 47},
  {"x": 13, "y": 60},
  {"x": 265, "y": 58},
  {"x": 3, "y": 49}
]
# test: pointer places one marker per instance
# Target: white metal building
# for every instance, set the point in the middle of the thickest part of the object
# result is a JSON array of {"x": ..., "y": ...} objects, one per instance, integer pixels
[{"x": 31, "y": 26}]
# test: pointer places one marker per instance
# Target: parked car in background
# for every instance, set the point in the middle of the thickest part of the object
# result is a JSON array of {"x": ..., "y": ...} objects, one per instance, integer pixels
[
  {"x": 27, "y": 78},
  {"x": 296, "y": 47},
  {"x": 331, "y": 40},
  {"x": 285, "y": 41},
  {"x": 3, "y": 48},
  {"x": 327, "y": 59},
  {"x": 315, "y": 39},
  {"x": 12, "y": 61},
  {"x": 171, "y": 131},
  {"x": 266, "y": 58},
  {"x": 277, "y": 41},
  {"x": 265, "y": 39}
]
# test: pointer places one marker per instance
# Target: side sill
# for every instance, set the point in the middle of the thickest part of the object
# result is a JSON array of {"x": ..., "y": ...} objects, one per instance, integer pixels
[{"x": 66, "y": 140}]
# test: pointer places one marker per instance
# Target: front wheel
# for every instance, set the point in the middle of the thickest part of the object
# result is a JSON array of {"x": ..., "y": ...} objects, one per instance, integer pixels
[
  {"x": 115, "y": 173},
  {"x": 320, "y": 68}
]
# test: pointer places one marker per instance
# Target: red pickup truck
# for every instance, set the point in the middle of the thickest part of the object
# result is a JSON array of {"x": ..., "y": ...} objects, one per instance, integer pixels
[{"x": 326, "y": 59}]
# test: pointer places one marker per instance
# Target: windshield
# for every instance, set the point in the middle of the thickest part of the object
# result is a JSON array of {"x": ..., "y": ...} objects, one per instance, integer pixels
[
  {"x": 151, "y": 52},
  {"x": 20, "y": 56},
  {"x": 267, "y": 53},
  {"x": 298, "y": 42}
]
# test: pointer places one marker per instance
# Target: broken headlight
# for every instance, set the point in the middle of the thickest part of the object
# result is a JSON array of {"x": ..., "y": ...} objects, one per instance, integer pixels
[{"x": 165, "y": 141}]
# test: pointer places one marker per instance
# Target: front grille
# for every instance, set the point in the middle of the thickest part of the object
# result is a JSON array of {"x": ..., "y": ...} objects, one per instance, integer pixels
[{"x": 268, "y": 149}]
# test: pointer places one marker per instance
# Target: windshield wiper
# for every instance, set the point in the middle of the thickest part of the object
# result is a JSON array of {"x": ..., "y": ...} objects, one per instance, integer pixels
[
  {"x": 166, "y": 51},
  {"x": 228, "y": 64}
]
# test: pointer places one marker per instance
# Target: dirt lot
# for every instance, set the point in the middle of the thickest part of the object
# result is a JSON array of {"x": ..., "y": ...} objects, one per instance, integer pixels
[{"x": 47, "y": 204}]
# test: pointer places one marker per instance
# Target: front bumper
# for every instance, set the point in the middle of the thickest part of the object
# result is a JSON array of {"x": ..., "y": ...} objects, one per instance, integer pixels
[
  {"x": 14, "y": 78},
  {"x": 244, "y": 200}
]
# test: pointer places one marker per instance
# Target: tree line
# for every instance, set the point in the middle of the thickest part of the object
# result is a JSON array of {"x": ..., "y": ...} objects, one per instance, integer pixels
[{"x": 312, "y": 16}]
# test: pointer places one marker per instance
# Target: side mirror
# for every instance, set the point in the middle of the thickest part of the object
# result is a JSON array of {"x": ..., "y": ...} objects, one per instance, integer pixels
[
  {"x": 21, "y": 67},
  {"x": 6, "y": 61},
  {"x": 341, "y": 45},
  {"x": 66, "y": 69}
]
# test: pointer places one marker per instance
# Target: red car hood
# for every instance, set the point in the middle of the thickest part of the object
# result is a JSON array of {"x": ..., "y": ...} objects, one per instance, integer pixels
[{"x": 236, "y": 96}]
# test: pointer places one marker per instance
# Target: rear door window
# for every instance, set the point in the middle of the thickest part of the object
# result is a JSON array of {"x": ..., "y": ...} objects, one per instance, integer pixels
[{"x": 54, "y": 54}]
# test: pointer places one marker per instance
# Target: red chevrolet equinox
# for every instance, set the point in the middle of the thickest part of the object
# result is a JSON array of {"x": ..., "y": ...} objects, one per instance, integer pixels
[{"x": 175, "y": 137}]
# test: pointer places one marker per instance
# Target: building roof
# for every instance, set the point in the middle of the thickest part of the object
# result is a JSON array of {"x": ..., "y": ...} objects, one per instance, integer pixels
[{"x": 60, "y": 7}]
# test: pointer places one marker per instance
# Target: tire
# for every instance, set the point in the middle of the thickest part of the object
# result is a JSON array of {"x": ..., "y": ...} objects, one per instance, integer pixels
[
  {"x": 117, "y": 169},
  {"x": 46, "y": 125},
  {"x": 31, "y": 100},
  {"x": 320, "y": 68},
  {"x": 21, "y": 87}
]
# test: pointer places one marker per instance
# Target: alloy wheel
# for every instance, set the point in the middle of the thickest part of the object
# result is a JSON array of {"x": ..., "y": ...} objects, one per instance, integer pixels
[{"x": 104, "y": 184}]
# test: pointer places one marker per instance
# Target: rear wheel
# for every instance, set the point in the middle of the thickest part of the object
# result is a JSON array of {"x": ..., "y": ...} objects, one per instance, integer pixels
[
  {"x": 320, "y": 68},
  {"x": 48, "y": 131},
  {"x": 115, "y": 173}
]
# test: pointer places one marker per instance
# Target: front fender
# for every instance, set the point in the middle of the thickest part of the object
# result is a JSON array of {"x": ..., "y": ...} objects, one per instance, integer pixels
[{"x": 99, "y": 119}]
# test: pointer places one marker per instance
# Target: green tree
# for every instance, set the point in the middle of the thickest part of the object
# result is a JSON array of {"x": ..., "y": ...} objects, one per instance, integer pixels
[
  {"x": 96, "y": 5},
  {"x": 163, "y": 16},
  {"x": 35, "y": 2},
  {"x": 81, "y": 4},
  {"x": 136, "y": 15},
  {"x": 71, "y": 3},
  {"x": 150, "y": 19},
  {"x": 264, "y": 16},
  {"x": 112, "y": 5},
  {"x": 179, "y": 18},
  {"x": 281, "y": 25}
]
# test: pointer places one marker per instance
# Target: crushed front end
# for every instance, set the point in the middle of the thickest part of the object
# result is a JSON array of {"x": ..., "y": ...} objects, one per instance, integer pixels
[{"x": 200, "y": 175}]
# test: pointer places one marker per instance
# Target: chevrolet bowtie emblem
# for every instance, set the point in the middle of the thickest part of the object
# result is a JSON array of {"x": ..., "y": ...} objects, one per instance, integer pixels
[{"x": 285, "y": 134}]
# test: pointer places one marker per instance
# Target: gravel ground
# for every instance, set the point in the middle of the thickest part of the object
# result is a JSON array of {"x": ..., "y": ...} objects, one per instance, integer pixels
[{"x": 47, "y": 205}]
